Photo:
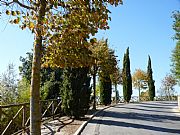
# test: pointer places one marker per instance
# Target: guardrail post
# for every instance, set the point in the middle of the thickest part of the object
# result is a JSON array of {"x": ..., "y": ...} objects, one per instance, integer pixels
[
  {"x": 24, "y": 119},
  {"x": 53, "y": 109},
  {"x": 0, "y": 112}
]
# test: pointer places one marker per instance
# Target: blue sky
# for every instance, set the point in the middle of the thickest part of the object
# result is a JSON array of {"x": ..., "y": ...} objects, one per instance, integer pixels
[{"x": 143, "y": 25}]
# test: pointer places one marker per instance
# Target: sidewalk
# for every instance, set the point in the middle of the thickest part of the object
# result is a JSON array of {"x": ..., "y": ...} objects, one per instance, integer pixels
[{"x": 67, "y": 126}]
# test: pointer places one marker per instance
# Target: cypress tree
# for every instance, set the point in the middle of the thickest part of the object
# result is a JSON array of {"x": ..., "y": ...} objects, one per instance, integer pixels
[
  {"x": 75, "y": 92},
  {"x": 66, "y": 92},
  {"x": 127, "y": 81},
  {"x": 51, "y": 83},
  {"x": 150, "y": 80},
  {"x": 105, "y": 89}
]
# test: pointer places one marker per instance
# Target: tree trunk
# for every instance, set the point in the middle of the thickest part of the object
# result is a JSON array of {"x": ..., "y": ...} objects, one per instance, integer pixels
[
  {"x": 115, "y": 85},
  {"x": 169, "y": 95},
  {"x": 94, "y": 88},
  {"x": 35, "y": 110}
]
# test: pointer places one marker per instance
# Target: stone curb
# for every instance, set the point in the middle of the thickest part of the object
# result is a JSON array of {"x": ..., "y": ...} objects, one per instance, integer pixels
[{"x": 81, "y": 128}]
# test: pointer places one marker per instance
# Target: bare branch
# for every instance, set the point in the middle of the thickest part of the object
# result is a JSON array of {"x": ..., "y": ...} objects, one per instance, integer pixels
[
  {"x": 16, "y": 1},
  {"x": 6, "y": 3},
  {"x": 23, "y": 5}
]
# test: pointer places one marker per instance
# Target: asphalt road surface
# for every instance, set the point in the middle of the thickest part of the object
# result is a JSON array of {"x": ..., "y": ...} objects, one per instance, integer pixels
[{"x": 148, "y": 118}]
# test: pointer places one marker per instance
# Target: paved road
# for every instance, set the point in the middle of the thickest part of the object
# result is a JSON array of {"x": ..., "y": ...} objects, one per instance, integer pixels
[{"x": 150, "y": 118}]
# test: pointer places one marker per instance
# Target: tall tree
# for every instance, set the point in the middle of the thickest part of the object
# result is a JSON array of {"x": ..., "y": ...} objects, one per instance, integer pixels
[
  {"x": 139, "y": 80},
  {"x": 126, "y": 77},
  {"x": 107, "y": 67},
  {"x": 44, "y": 18},
  {"x": 175, "y": 58},
  {"x": 104, "y": 59},
  {"x": 8, "y": 86},
  {"x": 23, "y": 90},
  {"x": 50, "y": 89},
  {"x": 99, "y": 51},
  {"x": 76, "y": 91},
  {"x": 176, "y": 25},
  {"x": 151, "y": 86},
  {"x": 116, "y": 79},
  {"x": 167, "y": 86},
  {"x": 26, "y": 68},
  {"x": 105, "y": 89}
]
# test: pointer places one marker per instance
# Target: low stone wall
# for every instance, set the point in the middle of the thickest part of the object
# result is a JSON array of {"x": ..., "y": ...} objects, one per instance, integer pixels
[{"x": 179, "y": 102}]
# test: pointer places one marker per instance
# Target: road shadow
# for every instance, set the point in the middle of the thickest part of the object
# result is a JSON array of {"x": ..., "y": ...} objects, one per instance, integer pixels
[
  {"x": 133, "y": 125},
  {"x": 147, "y": 113},
  {"x": 156, "y": 107},
  {"x": 160, "y": 103},
  {"x": 142, "y": 109},
  {"x": 142, "y": 116}
]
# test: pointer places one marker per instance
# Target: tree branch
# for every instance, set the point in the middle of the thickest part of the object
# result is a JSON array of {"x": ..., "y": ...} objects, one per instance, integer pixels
[
  {"x": 16, "y": 1},
  {"x": 6, "y": 3},
  {"x": 23, "y": 5}
]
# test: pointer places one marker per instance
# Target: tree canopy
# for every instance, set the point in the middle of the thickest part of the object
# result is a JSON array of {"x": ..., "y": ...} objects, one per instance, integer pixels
[
  {"x": 176, "y": 25},
  {"x": 138, "y": 78},
  {"x": 167, "y": 86}
]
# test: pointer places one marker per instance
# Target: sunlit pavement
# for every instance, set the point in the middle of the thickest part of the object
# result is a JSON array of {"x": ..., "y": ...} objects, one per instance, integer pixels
[{"x": 148, "y": 118}]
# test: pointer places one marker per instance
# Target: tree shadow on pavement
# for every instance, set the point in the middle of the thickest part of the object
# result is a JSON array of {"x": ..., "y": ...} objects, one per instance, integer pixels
[
  {"x": 156, "y": 107},
  {"x": 69, "y": 121},
  {"x": 142, "y": 116},
  {"x": 139, "y": 115},
  {"x": 52, "y": 132},
  {"x": 160, "y": 103},
  {"x": 133, "y": 125}
]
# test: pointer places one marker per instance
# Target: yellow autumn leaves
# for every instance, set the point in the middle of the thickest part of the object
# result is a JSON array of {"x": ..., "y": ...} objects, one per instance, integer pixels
[
  {"x": 16, "y": 14},
  {"x": 73, "y": 22},
  {"x": 138, "y": 76},
  {"x": 13, "y": 13}
]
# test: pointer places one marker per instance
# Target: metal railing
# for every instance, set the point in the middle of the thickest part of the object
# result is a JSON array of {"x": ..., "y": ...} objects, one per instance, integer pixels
[{"x": 14, "y": 119}]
